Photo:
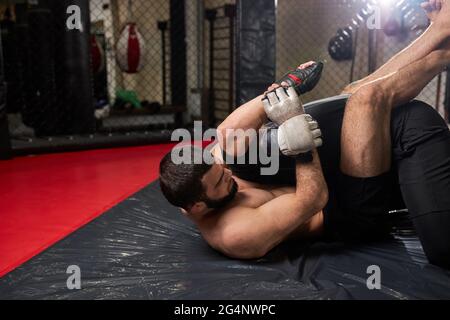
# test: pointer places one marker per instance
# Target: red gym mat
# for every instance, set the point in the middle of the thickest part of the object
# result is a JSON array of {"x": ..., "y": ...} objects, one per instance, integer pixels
[{"x": 45, "y": 198}]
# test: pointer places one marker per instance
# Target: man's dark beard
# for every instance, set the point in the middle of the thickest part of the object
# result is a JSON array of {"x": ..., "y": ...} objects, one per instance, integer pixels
[{"x": 217, "y": 204}]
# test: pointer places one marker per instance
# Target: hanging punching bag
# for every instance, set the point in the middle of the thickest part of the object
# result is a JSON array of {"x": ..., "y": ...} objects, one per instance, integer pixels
[
  {"x": 12, "y": 78},
  {"x": 130, "y": 49},
  {"x": 5, "y": 144},
  {"x": 340, "y": 47},
  {"x": 74, "y": 72},
  {"x": 98, "y": 55}
]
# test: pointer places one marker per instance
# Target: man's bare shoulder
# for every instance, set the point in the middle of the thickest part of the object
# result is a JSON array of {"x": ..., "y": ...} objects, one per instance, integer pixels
[{"x": 217, "y": 226}]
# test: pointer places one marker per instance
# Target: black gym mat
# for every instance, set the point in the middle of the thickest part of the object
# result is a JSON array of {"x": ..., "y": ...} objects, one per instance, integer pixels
[{"x": 144, "y": 249}]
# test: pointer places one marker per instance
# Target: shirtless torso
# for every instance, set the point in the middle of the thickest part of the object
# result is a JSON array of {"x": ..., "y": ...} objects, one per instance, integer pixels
[{"x": 253, "y": 195}]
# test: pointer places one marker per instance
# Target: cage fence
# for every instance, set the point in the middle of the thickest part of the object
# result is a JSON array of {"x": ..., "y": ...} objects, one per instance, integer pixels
[{"x": 143, "y": 68}]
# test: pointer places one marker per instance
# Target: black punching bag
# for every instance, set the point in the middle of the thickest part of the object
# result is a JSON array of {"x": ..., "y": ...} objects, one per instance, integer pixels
[
  {"x": 256, "y": 43},
  {"x": 178, "y": 67},
  {"x": 10, "y": 54},
  {"x": 74, "y": 76},
  {"x": 41, "y": 111},
  {"x": 23, "y": 64},
  {"x": 5, "y": 146}
]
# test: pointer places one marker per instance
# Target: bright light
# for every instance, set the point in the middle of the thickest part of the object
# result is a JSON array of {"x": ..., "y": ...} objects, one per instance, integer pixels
[{"x": 385, "y": 3}]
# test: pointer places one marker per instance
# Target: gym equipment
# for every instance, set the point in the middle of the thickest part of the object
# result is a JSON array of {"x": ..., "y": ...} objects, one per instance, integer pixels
[
  {"x": 340, "y": 47},
  {"x": 126, "y": 99},
  {"x": 256, "y": 66},
  {"x": 162, "y": 26},
  {"x": 208, "y": 114},
  {"x": 221, "y": 21},
  {"x": 73, "y": 70},
  {"x": 14, "y": 98},
  {"x": 40, "y": 111},
  {"x": 178, "y": 56},
  {"x": 24, "y": 70},
  {"x": 130, "y": 48},
  {"x": 5, "y": 144},
  {"x": 98, "y": 55}
]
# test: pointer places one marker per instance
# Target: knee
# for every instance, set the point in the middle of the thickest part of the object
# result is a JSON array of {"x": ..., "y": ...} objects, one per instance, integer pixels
[{"x": 372, "y": 95}]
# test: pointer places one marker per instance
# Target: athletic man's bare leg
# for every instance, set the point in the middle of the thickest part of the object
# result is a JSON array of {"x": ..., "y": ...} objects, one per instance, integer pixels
[
  {"x": 365, "y": 140},
  {"x": 429, "y": 41}
]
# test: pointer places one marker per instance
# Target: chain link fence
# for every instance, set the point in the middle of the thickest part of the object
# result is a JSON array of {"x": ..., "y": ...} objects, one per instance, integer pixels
[
  {"x": 131, "y": 72},
  {"x": 142, "y": 68},
  {"x": 352, "y": 37}
]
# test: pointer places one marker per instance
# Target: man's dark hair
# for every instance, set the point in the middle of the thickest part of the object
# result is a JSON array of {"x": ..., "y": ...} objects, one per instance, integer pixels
[{"x": 181, "y": 183}]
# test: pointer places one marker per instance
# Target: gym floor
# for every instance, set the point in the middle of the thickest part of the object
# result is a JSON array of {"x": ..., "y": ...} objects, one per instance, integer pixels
[
  {"x": 103, "y": 212},
  {"x": 45, "y": 198}
]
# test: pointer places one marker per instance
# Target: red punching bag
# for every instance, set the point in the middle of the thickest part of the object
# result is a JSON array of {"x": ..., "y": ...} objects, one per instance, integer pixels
[
  {"x": 98, "y": 55},
  {"x": 130, "y": 49}
]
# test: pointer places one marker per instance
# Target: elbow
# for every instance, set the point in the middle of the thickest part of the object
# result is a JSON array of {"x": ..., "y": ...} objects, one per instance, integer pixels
[
  {"x": 322, "y": 198},
  {"x": 244, "y": 254},
  {"x": 221, "y": 132},
  {"x": 224, "y": 134},
  {"x": 316, "y": 197},
  {"x": 237, "y": 247},
  {"x": 221, "y": 129}
]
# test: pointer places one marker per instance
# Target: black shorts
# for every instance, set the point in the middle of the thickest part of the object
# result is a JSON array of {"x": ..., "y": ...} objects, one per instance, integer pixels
[
  {"x": 358, "y": 208},
  {"x": 419, "y": 180}
]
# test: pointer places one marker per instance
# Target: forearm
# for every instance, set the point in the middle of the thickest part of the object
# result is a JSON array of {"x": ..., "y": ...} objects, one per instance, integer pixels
[
  {"x": 310, "y": 198},
  {"x": 429, "y": 41},
  {"x": 259, "y": 230},
  {"x": 248, "y": 117},
  {"x": 311, "y": 185},
  {"x": 405, "y": 84}
]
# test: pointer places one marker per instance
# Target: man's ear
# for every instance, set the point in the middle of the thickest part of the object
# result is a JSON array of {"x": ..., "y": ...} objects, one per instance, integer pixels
[{"x": 197, "y": 208}]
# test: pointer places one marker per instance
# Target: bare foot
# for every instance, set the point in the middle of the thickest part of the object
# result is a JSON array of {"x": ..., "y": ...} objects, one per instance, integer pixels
[
  {"x": 284, "y": 83},
  {"x": 443, "y": 16},
  {"x": 302, "y": 66},
  {"x": 432, "y": 8},
  {"x": 272, "y": 88},
  {"x": 306, "y": 65}
]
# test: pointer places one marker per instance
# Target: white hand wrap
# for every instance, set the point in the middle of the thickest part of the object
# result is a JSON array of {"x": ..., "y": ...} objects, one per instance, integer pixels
[
  {"x": 300, "y": 134},
  {"x": 281, "y": 105}
]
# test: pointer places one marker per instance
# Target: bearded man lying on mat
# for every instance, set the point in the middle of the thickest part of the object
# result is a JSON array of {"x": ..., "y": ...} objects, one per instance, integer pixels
[{"x": 384, "y": 142}]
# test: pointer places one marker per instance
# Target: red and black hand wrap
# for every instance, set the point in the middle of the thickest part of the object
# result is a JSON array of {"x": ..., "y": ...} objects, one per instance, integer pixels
[{"x": 303, "y": 80}]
